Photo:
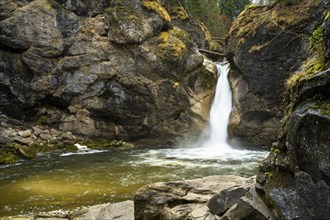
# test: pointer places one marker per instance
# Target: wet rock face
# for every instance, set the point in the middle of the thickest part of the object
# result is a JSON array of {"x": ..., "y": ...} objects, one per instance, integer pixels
[
  {"x": 297, "y": 175},
  {"x": 98, "y": 68},
  {"x": 265, "y": 45}
]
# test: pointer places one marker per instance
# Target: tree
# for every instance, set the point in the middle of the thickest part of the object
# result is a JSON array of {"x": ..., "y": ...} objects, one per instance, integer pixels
[
  {"x": 232, "y": 8},
  {"x": 215, "y": 14}
]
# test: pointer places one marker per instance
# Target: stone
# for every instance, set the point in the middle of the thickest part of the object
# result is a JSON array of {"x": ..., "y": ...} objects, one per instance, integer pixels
[
  {"x": 3, "y": 140},
  {"x": 222, "y": 201},
  {"x": 181, "y": 199},
  {"x": 45, "y": 137},
  {"x": 243, "y": 210},
  {"x": 25, "y": 134},
  {"x": 121, "y": 211},
  {"x": 260, "y": 66},
  {"x": 3, "y": 124},
  {"x": 25, "y": 141},
  {"x": 37, "y": 130},
  {"x": 25, "y": 152},
  {"x": 81, "y": 81}
]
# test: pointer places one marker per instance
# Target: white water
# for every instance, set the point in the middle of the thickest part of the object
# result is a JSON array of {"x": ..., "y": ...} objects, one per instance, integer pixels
[
  {"x": 215, "y": 147},
  {"x": 220, "y": 111}
]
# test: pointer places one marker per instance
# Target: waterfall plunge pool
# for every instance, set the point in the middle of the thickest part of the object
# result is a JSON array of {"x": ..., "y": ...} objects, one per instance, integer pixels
[
  {"x": 67, "y": 181},
  {"x": 70, "y": 180}
]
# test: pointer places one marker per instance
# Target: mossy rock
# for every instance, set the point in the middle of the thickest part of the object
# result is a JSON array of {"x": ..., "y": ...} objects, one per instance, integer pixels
[
  {"x": 155, "y": 6},
  {"x": 8, "y": 156}
]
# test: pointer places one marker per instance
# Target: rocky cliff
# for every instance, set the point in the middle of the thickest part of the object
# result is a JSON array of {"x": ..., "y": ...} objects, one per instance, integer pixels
[
  {"x": 295, "y": 178},
  {"x": 100, "y": 69},
  {"x": 265, "y": 46}
]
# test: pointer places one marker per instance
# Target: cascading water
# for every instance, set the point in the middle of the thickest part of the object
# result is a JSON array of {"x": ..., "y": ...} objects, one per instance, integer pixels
[{"x": 220, "y": 111}]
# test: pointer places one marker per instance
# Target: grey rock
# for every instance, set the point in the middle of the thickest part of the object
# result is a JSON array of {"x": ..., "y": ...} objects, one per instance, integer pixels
[
  {"x": 45, "y": 137},
  {"x": 25, "y": 134},
  {"x": 219, "y": 203},
  {"x": 243, "y": 210},
  {"x": 121, "y": 211},
  {"x": 3, "y": 124},
  {"x": 3, "y": 140},
  {"x": 180, "y": 200},
  {"x": 260, "y": 65},
  {"x": 68, "y": 135},
  {"x": 21, "y": 140}
]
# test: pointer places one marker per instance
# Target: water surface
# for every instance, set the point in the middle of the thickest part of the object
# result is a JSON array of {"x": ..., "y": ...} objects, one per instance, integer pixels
[{"x": 67, "y": 181}]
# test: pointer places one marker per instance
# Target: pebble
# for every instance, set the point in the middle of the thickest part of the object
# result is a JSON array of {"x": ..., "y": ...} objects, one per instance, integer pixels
[
  {"x": 25, "y": 134},
  {"x": 3, "y": 124},
  {"x": 45, "y": 137},
  {"x": 20, "y": 140}
]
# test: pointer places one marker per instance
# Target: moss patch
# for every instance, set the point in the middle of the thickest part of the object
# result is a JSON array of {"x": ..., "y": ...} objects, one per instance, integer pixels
[
  {"x": 170, "y": 46},
  {"x": 208, "y": 78},
  {"x": 42, "y": 120},
  {"x": 277, "y": 16},
  {"x": 154, "y": 5},
  {"x": 178, "y": 13},
  {"x": 315, "y": 63}
]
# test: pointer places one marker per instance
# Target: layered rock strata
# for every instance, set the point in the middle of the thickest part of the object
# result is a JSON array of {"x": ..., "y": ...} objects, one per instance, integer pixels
[{"x": 101, "y": 69}]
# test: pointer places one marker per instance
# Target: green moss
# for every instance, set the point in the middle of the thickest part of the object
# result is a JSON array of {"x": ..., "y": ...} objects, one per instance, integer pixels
[
  {"x": 214, "y": 46},
  {"x": 42, "y": 120},
  {"x": 170, "y": 46},
  {"x": 155, "y": 6},
  {"x": 326, "y": 15},
  {"x": 208, "y": 78},
  {"x": 8, "y": 156},
  {"x": 317, "y": 38},
  {"x": 123, "y": 13},
  {"x": 178, "y": 13},
  {"x": 315, "y": 63}
]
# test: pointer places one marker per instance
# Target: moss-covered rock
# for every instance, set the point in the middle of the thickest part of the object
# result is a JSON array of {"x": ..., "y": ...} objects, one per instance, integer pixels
[
  {"x": 299, "y": 162},
  {"x": 265, "y": 46},
  {"x": 196, "y": 29}
]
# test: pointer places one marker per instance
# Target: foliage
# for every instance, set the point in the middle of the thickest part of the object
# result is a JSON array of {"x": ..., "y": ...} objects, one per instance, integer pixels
[
  {"x": 232, "y": 8},
  {"x": 217, "y": 15}
]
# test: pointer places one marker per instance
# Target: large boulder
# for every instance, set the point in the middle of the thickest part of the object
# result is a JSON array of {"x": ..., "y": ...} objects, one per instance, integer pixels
[
  {"x": 101, "y": 69},
  {"x": 182, "y": 199},
  {"x": 265, "y": 46}
]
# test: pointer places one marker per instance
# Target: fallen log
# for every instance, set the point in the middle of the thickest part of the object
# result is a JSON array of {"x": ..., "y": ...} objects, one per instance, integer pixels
[{"x": 211, "y": 52}]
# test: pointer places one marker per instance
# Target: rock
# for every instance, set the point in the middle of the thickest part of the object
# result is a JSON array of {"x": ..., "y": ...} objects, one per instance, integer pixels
[
  {"x": 180, "y": 200},
  {"x": 25, "y": 152},
  {"x": 45, "y": 137},
  {"x": 243, "y": 210},
  {"x": 81, "y": 81},
  {"x": 222, "y": 201},
  {"x": 37, "y": 130},
  {"x": 3, "y": 124},
  {"x": 68, "y": 136},
  {"x": 3, "y": 140},
  {"x": 134, "y": 27},
  {"x": 121, "y": 211},
  {"x": 261, "y": 64},
  {"x": 197, "y": 30},
  {"x": 25, "y": 141},
  {"x": 25, "y": 134}
]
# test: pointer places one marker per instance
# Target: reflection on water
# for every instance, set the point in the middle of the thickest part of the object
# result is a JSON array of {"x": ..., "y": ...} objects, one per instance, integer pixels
[{"x": 68, "y": 181}]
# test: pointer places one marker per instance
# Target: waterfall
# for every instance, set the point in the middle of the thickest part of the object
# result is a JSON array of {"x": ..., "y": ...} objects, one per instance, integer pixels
[{"x": 220, "y": 111}]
